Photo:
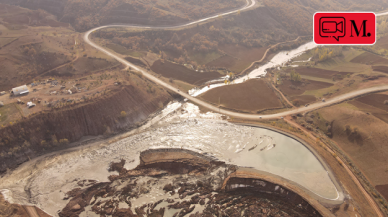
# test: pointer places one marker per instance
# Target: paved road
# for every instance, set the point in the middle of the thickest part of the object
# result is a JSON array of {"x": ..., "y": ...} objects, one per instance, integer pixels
[
  {"x": 314, "y": 106},
  {"x": 250, "y": 4}
]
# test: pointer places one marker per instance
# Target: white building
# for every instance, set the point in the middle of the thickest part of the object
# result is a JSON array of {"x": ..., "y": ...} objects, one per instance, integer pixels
[
  {"x": 30, "y": 104},
  {"x": 20, "y": 90}
]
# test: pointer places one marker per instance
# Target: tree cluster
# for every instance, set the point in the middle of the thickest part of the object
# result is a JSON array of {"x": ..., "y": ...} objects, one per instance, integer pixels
[
  {"x": 294, "y": 76},
  {"x": 324, "y": 53}
]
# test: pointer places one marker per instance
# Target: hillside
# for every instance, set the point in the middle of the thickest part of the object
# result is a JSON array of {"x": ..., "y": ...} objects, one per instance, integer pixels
[
  {"x": 55, "y": 129},
  {"x": 33, "y": 43},
  {"x": 296, "y": 15},
  {"x": 86, "y": 14},
  {"x": 231, "y": 42}
]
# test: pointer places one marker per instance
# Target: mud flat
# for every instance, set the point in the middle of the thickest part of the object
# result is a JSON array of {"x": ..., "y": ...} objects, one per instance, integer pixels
[
  {"x": 176, "y": 182},
  {"x": 45, "y": 181}
]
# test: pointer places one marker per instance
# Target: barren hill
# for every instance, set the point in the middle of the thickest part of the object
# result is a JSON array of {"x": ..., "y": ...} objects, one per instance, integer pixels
[{"x": 85, "y": 14}]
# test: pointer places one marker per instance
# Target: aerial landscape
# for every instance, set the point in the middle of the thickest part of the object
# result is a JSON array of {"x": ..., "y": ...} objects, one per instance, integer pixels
[{"x": 191, "y": 108}]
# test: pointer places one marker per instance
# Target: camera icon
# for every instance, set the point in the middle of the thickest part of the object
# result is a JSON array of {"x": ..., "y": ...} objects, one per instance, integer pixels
[{"x": 332, "y": 27}]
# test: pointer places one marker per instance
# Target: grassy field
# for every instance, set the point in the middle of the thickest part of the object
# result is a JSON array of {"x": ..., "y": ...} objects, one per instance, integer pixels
[
  {"x": 344, "y": 63},
  {"x": 9, "y": 113},
  {"x": 321, "y": 73},
  {"x": 204, "y": 58},
  {"x": 136, "y": 61},
  {"x": 4, "y": 41},
  {"x": 352, "y": 70},
  {"x": 369, "y": 59},
  {"x": 179, "y": 72},
  {"x": 237, "y": 57},
  {"x": 252, "y": 96},
  {"x": 183, "y": 85},
  {"x": 300, "y": 93},
  {"x": 122, "y": 50},
  {"x": 382, "y": 42},
  {"x": 362, "y": 134}
]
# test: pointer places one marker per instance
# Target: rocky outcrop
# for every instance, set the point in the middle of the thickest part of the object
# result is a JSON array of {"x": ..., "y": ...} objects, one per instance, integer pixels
[{"x": 126, "y": 108}]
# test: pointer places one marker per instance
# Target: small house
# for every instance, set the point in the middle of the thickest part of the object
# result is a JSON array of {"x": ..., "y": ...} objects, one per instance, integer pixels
[{"x": 20, "y": 90}]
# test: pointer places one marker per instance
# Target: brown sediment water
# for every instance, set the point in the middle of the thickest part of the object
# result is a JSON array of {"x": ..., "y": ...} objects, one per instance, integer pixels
[{"x": 45, "y": 181}]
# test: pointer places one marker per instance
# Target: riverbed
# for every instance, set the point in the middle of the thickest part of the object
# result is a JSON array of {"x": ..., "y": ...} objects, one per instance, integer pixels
[
  {"x": 44, "y": 181},
  {"x": 279, "y": 59}
]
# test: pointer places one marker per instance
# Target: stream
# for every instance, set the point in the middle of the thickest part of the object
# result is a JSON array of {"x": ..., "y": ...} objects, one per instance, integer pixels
[{"x": 279, "y": 59}]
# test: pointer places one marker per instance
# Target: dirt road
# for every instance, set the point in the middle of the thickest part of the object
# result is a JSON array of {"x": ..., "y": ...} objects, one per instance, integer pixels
[
  {"x": 314, "y": 106},
  {"x": 354, "y": 178},
  {"x": 266, "y": 53},
  {"x": 249, "y": 5},
  {"x": 31, "y": 211}
]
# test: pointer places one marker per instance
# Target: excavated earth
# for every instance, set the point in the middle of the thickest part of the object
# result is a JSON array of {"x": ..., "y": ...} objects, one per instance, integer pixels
[
  {"x": 178, "y": 182},
  {"x": 180, "y": 162}
]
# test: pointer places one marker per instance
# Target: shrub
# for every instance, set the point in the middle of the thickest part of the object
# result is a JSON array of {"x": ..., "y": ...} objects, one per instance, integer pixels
[
  {"x": 140, "y": 74},
  {"x": 123, "y": 114},
  {"x": 43, "y": 142},
  {"x": 386, "y": 102},
  {"x": 150, "y": 89},
  {"x": 296, "y": 102},
  {"x": 294, "y": 76},
  {"x": 64, "y": 141}
]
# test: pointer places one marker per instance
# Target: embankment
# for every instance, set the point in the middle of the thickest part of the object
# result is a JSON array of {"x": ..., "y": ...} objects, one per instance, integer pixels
[
  {"x": 197, "y": 193},
  {"x": 49, "y": 131}
]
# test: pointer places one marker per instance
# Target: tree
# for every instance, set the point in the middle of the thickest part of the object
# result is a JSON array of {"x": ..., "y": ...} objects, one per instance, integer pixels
[
  {"x": 295, "y": 76},
  {"x": 231, "y": 76}
]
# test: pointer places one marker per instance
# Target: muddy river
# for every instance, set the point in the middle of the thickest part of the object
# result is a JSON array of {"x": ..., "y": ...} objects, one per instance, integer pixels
[
  {"x": 279, "y": 59},
  {"x": 45, "y": 180}
]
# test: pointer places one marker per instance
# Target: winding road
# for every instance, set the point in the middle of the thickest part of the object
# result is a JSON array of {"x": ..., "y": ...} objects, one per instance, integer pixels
[
  {"x": 250, "y": 4},
  {"x": 156, "y": 80}
]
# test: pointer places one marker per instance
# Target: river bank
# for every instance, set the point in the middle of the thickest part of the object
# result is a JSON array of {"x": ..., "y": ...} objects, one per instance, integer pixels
[{"x": 44, "y": 181}]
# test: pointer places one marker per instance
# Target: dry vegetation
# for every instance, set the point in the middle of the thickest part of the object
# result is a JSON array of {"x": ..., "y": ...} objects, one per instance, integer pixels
[
  {"x": 105, "y": 110},
  {"x": 360, "y": 129},
  {"x": 297, "y": 15},
  {"x": 295, "y": 90},
  {"x": 175, "y": 71},
  {"x": 86, "y": 14},
  {"x": 39, "y": 46},
  {"x": 231, "y": 43}
]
